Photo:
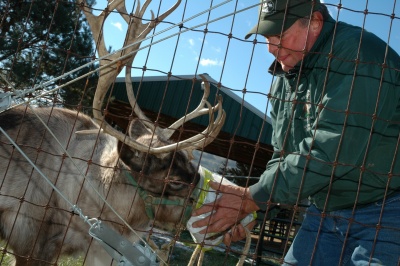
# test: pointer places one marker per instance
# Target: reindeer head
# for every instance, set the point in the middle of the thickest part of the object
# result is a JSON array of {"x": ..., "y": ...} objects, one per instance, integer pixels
[
  {"x": 164, "y": 181},
  {"x": 170, "y": 173}
]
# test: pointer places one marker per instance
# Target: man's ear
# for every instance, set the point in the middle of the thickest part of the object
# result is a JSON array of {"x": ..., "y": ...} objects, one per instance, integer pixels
[{"x": 317, "y": 22}]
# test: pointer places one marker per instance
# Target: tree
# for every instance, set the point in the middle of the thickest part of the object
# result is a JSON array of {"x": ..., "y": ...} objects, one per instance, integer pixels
[{"x": 41, "y": 40}]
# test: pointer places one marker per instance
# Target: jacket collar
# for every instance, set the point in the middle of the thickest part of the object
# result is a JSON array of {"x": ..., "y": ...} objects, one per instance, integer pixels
[{"x": 311, "y": 58}]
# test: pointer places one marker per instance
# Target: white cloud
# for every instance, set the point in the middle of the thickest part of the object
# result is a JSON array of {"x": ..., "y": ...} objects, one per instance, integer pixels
[
  {"x": 210, "y": 62},
  {"x": 191, "y": 42},
  {"x": 118, "y": 25},
  {"x": 216, "y": 49}
]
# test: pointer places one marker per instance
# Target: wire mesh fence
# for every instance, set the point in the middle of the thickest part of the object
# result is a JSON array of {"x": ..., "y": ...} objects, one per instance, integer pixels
[{"x": 117, "y": 116}]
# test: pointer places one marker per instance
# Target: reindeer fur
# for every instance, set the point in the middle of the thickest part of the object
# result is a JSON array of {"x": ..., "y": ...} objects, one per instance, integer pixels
[{"x": 37, "y": 225}]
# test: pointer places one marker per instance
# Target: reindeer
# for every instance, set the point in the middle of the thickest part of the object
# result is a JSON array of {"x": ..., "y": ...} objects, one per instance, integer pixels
[{"x": 87, "y": 160}]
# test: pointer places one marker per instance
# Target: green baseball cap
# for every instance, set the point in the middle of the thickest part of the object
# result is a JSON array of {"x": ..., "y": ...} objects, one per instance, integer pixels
[{"x": 273, "y": 14}]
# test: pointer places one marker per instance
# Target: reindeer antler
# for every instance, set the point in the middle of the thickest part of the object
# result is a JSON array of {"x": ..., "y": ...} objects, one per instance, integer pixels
[
  {"x": 198, "y": 141},
  {"x": 137, "y": 32}
]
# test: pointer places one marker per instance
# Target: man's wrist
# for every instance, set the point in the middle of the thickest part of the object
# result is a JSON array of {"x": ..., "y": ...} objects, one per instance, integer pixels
[
  {"x": 259, "y": 196},
  {"x": 250, "y": 204}
]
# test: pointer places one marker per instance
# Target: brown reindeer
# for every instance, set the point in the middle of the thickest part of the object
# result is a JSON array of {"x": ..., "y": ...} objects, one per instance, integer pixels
[{"x": 86, "y": 160}]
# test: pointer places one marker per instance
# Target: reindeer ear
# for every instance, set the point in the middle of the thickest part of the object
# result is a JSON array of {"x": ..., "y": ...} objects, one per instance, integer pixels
[
  {"x": 137, "y": 129},
  {"x": 129, "y": 155},
  {"x": 125, "y": 152}
]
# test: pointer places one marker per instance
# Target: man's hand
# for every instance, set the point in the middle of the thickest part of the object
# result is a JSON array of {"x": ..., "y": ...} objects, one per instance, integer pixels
[
  {"x": 237, "y": 233},
  {"x": 234, "y": 204}
]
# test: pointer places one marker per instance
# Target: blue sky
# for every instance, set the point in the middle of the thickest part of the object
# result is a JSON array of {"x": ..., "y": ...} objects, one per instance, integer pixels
[{"x": 236, "y": 63}]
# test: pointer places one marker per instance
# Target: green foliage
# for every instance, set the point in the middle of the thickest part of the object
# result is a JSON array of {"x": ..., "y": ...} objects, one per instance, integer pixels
[{"x": 41, "y": 40}]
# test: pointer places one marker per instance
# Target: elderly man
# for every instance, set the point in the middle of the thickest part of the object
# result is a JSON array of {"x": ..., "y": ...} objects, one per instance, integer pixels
[{"x": 336, "y": 120}]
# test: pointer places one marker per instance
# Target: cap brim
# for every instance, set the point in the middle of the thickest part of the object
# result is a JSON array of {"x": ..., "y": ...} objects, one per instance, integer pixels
[{"x": 271, "y": 27}]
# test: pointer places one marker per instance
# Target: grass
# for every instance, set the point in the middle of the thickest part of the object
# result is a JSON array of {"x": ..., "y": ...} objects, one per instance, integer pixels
[
  {"x": 6, "y": 259},
  {"x": 180, "y": 256}
]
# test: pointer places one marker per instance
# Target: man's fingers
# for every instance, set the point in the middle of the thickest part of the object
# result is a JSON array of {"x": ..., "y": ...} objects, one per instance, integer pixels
[
  {"x": 216, "y": 186},
  {"x": 227, "y": 238},
  {"x": 216, "y": 227},
  {"x": 209, "y": 221},
  {"x": 214, "y": 223},
  {"x": 204, "y": 209},
  {"x": 225, "y": 188},
  {"x": 237, "y": 233},
  {"x": 203, "y": 222}
]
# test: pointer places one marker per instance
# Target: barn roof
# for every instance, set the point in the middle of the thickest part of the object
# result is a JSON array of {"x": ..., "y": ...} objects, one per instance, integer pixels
[{"x": 246, "y": 129}]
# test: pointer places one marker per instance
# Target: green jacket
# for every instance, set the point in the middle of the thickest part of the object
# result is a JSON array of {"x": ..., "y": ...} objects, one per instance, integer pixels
[{"x": 336, "y": 124}]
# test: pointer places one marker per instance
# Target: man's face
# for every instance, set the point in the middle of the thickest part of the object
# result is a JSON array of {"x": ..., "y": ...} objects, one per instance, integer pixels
[{"x": 289, "y": 47}]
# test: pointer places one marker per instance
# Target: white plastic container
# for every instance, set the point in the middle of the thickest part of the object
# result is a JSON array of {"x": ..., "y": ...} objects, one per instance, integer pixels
[{"x": 207, "y": 195}]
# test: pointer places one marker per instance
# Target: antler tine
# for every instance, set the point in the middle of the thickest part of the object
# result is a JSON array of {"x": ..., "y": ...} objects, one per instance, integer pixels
[
  {"x": 169, "y": 11},
  {"x": 144, "y": 29},
  {"x": 211, "y": 137},
  {"x": 211, "y": 132},
  {"x": 95, "y": 23},
  {"x": 199, "y": 140},
  {"x": 132, "y": 99},
  {"x": 123, "y": 12},
  {"x": 215, "y": 129},
  {"x": 115, "y": 4},
  {"x": 198, "y": 111}
]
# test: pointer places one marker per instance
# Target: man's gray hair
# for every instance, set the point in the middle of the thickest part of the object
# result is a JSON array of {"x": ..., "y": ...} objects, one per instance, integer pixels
[{"x": 321, "y": 8}]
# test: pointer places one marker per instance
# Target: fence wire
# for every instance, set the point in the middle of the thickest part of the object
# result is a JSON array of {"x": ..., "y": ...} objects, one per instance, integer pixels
[{"x": 52, "y": 57}]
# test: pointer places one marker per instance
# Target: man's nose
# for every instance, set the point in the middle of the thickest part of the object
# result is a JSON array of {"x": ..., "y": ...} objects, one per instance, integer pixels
[
  {"x": 273, "y": 48},
  {"x": 273, "y": 44}
]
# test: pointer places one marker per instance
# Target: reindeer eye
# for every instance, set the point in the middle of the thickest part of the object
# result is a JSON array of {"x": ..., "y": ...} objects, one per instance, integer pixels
[{"x": 175, "y": 185}]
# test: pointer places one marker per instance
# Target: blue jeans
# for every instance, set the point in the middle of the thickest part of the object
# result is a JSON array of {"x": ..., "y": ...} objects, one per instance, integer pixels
[{"x": 341, "y": 238}]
